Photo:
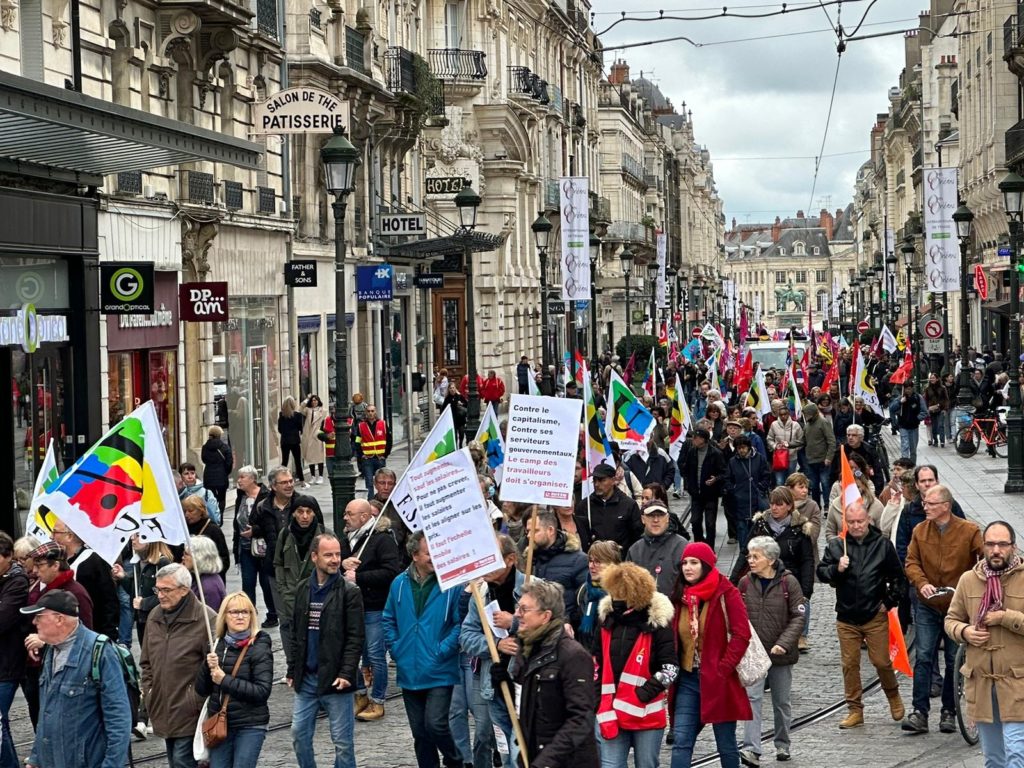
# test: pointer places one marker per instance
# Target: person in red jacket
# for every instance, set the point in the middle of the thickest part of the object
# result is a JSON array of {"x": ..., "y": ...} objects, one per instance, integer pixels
[
  {"x": 492, "y": 389},
  {"x": 713, "y": 632}
]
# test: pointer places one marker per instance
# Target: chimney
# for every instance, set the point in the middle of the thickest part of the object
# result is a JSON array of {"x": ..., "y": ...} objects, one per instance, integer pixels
[
  {"x": 827, "y": 223},
  {"x": 799, "y": 214},
  {"x": 619, "y": 73},
  {"x": 776, "y": 229}
]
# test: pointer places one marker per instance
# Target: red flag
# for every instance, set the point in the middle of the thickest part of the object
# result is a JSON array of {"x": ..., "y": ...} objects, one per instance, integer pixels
[
  {"x": 832, "y": 376},
  {"x": 804, "y": 377},
  {"x": 898, "y": 645},
  {"x": 663, "y": 334},
  {"x": 905, "y": 371},
  {"x": 745, "y": 374},
  {"x": 580, "y": 364},
  {"x": 627, "y": 374},
  {"x": 853, "y": 364}
]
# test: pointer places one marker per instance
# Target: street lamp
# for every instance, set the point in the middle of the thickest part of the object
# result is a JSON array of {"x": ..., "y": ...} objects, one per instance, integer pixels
[
  {"x": 878, "y": 272},
  {"x": 541, "y": 234},
  {"x": 626, "y": 257},
  {"x": 891, "y": 263},
  {"x": 963, "y": 217},
  {"x": 684, "y": 301},
  {"x": 1012, "y": 188},
  {"x": 340, "y": 160},
  {"x": 652, "y": 280},
  {"x": 595, "y": 254},
  {"x": 842, "y": 309},
  {"x": 467, "y": 202}
]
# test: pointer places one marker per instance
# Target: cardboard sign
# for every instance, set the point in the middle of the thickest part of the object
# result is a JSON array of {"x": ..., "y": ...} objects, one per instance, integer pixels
[{"x": 540, "y": 449}]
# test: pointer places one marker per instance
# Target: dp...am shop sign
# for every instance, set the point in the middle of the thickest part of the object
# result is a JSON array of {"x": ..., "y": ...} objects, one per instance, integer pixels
[
  {"x": 203, "y": 302},
  {"x": 375, "y": 282},
  {"x": 127, "y": 289}
]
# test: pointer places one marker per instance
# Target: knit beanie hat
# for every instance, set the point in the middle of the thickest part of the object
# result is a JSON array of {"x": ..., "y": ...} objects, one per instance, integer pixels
[{"x": 702, "y": 552}]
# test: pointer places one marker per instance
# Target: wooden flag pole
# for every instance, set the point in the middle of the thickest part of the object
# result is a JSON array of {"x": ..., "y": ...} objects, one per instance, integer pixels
[
  {"x": 530, "y": 547},
  {"x": 506, "y": 694}
]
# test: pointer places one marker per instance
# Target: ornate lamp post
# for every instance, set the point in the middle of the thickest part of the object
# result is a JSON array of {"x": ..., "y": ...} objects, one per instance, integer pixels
[
  {"x": 541, "y": 234},
  {"x": 907, "y": 249},
  {"x": 963, "y": 217},
  {"x": 841, "y": 299},
  {"x": 626, "y": 257},
  {"x": 340, "y": 160},
  {"x": 878, "y": 272},
  {"x": 467, "y": 202},
  {"x": 684, "y": 303},
  {"x": 1012, "y": 188},
  {"x": 652, "y": 281},
  {"x": 891, "y": 263},
  {"x": 595, "y": 254}
]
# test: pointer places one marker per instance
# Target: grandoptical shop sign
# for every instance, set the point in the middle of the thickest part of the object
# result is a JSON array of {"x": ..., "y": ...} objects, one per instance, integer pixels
[{"x": 28, "y": 330}]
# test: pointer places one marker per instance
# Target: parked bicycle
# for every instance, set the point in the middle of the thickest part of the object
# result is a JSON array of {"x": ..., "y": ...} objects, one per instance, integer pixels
[
  {"x": 988, "y": 430},
  {"x": 968, "y": 728}
]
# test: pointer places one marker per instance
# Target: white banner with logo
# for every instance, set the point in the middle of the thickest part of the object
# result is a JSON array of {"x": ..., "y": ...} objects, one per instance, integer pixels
[
  {"x": 575, "y": 211},
  {"x": 540, "y": 449},
  {"x": 941, "y": 247},
  {"x": 662, "y": 241}
]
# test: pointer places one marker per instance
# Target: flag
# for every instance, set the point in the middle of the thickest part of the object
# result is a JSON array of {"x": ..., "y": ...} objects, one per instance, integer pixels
[
  {"x": 803, "y": 375},
  {"x": 852, "y": 500},
  {"x": 598, "y": 449},
  {"x": 888, "y": 340},
  {"x": 901, "y": 339},
  {"x": 826, "y": 349},
  {"x": 711, "y": 333},
  {"x": 531, "y": 384},
  {"x": 757, "y": 397},
  {"x": 40, "y": 518},
  {"x": 439, "y": 442},
  {"x": 650, "y": 384},
  {"x": 854, "y": 357},
  {"x": 627, "y": 374},
  {"x": 692, "y": 350},
  {"x": 712, "y": 364},
  {"x": 627, "y": 422},
  {"x": 831, "y": 376},
  {"x": 902, "y": 374},
  {"x": 744, "y": 328},
  {"x": 580, "y": 365},
  {"x": 862, "y": 386},
  {"x": 121, "y": 486},
  {"x": 663, "y": 335},
  {"x": 680, "y": 423},
  {"x": 898, "y": 645},
  {"x": 843, "y": 343},
  {"x": 490, "y": 438},
  {"x": 794, "y": 398},
  {"x": 745, "y": 373}
]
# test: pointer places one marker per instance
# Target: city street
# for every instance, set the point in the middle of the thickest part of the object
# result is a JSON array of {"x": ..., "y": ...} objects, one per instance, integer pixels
[{"x": 977, "y": 485}]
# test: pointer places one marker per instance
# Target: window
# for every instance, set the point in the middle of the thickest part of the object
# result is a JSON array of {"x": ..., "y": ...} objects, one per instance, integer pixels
[
  {"x": 801, "y": 276},
  {"x": 780, "y": 277},
  {"x": 819, "y": 274},
  {"x": 822, "y": 301},
  {"x": 799, "y": 249},
  {"x": 782, "y": 251},
  {"x": 817, "y": 251}
]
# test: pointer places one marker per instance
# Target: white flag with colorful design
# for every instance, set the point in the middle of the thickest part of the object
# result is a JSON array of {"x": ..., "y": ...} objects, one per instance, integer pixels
[
  {"x": 40, "y": 518},
  {"x": 439, "y": 442},
  {"x": 598, "y": 449},
  {"x": 680, "y": 424},
  {"x": 489, "y": 436},
  {"x": 862, "y": 386}
]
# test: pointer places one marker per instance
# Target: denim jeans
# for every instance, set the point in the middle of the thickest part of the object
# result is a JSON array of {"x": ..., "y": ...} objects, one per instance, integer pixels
[
  {"x": 499, "y": 717},
  {"x": 781, "y": 681},
  {"x": 781, "y": 475},
  {"x": 375, "y": 656},
  {"x": 908, "y": 443},
  {"x": 465, "y": 699},
  {"x": 241, "y": 749},
  {"x": 341, "y": 718},
  {"x": 125, "y": 619},
  {"x": 179, "y": 752},
  {"x": 8, "y": 755},
  {"x": 254, "y": 568},
  {"x": 1001, "y": 743},
  {"x": 645, "y": 745},
  {"x": 807, "y": 618},
  {"x": 370, "y": 466},
  {"x": 818, "y": 475},
  {"x": 928, "y": 631},
  {"x": 427, "y": 710},
  {"x": 687, "y": 726},
  {"x": 938, "y": 428}
]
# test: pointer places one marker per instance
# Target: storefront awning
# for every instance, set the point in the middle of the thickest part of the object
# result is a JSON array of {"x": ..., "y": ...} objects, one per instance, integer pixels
[
  {"x": 43, "y": 125},
  {"x": 476, "y": 242}
]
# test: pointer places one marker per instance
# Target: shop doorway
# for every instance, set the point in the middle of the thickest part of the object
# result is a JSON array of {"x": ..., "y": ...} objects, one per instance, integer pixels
[{"x": 258, "y": 434}]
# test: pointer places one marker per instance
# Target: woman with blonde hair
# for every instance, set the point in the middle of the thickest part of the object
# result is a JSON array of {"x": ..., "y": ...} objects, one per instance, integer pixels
[
  {"x": 197, "y": 518},
  {"x": 201, "y": 557},
  {"x": 600, "y": 555},
  {"x": 239, "y": 672}
]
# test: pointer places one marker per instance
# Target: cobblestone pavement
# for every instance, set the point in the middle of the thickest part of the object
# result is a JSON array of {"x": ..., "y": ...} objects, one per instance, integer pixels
[{"x": 977, "y": 485}]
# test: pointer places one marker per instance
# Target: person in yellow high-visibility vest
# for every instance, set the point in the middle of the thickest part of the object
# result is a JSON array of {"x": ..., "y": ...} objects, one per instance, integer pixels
[{"x": 372, "y": 446}]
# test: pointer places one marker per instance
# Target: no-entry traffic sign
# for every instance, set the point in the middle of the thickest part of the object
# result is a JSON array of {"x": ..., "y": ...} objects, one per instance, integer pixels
[
  {"x": 696, "y": 332},
  {"x": 862, "y": 326},
  {"x": 933, "y": 329}
]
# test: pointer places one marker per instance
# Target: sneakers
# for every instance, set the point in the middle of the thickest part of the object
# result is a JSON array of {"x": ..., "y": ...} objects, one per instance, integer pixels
[
  {"x": 915, "y": 723},
  {"x": 749, "y": 757},
  {"x": 271, "y": 622},
  {"x": 362, "y": 701},
  {"x": 731, "y": 540},
  {"x": 896, "y": 708},
  {"x": 782, "y": 754},
  {"x": 139, "y": 731},
  {"x": 320, "y": 480},
  {"x": 676, "y": 494},
  {"x": 373, "y": 711},
  {"x": 803, "y": 645},
  {"x": 853, "y": 720},
  {"x": 947, "y": 722}
]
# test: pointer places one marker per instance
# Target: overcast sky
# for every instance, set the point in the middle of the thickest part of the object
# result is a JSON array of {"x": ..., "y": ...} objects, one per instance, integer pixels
[{"x": 769, "y": 97}]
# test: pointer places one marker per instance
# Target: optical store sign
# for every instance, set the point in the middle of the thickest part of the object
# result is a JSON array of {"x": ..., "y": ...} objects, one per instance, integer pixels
[{"x": 28, "y": 330}]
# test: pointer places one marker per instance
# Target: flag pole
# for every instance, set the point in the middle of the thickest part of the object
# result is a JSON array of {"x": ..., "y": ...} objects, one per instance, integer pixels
[
  {"x": 531, "y": 546},
  {"x": 202, "y": 597}
]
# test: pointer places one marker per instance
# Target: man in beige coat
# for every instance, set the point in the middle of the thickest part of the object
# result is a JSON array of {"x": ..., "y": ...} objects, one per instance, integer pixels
[{"x": 987, "y": 613}]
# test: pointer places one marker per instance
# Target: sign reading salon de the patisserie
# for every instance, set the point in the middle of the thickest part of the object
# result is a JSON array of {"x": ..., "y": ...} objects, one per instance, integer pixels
[{"x": 301, "y": 110}]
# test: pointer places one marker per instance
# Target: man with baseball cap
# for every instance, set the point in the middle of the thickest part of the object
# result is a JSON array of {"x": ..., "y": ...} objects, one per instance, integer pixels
[
  {"x": 92, "y": 730},
  {"x": 610, "y": 515}
]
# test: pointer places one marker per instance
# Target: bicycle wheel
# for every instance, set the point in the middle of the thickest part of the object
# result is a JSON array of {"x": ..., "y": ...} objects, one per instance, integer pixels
[
  {"x": 999, "y": 446},
  {"x": 883, "y": 458},
  {"x": 968, "y": 729},
  {"x": 966, "y": 441}
]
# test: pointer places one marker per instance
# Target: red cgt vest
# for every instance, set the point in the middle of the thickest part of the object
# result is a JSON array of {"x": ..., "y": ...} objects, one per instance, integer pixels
[
  {"x": 619, "y": 706},
  {"x": 373, "y": 441}
]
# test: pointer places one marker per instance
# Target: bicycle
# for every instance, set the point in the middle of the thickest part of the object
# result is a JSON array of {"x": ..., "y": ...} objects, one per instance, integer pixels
[
  {"x": 989, "y": 431},
  {"x": 968, "y": 728},
  {"x": 873, "y": 437}
]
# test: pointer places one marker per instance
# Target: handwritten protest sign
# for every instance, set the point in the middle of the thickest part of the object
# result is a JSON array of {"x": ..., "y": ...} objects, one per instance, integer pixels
[
  {"x": 453, "y": 516},
  {"x": 540, "y": 449}
]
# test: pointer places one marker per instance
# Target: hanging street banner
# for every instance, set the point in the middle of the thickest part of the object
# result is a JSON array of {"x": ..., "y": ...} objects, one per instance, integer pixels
[
  {"x": 374, "y": 282},
  {"x": 941, "y": 247},
  {"x": 575, "y": 208},
  {"x": 540, "y": 449},
  {"x": 454, "y": 518},
  {"x": 302, "y": 109},
  {"x": 662, "y": 249}
]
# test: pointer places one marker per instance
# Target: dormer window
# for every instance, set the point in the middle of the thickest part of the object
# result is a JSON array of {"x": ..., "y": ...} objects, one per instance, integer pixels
[{"x": 799, "y": 249}]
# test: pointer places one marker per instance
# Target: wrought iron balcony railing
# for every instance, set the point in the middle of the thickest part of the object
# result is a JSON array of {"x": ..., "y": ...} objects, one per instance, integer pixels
[
  {"x": 197, "y": 187},
  {"x": 405, "y": 72},
  {"x": 522, "y": 81},
  {"x": 457, "y": 64}
]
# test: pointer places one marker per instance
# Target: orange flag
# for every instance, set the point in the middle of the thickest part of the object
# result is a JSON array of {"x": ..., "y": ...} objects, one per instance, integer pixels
[
  {"x": 898, "y": 646},
  {"x": 852, "y": 499}
]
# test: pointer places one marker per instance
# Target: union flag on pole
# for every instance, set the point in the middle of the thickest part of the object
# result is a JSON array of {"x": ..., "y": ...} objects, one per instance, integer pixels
[{"x": 852, "y": 501}]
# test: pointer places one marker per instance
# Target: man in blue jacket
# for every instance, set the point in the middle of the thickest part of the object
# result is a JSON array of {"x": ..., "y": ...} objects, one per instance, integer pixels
[
  {"x": 92, "y": 730},
  {"x": 421, "y": 630}
]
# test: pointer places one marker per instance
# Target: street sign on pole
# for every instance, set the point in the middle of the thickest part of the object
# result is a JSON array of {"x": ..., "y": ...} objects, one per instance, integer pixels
[
  {"x": 696, "y": 332},
  {"x": 862, "y": 326},
  {"x": 981, "y": 282},
  {"x": 932, "y": 328}
]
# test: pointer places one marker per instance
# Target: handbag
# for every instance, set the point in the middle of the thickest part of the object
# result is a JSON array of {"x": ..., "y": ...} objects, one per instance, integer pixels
[
  {"x": 215, "y": 727},
  {"x": 754, "y": 666},
  {"x": 199, "y": 750},
  {"x": 780, "y": 459}
]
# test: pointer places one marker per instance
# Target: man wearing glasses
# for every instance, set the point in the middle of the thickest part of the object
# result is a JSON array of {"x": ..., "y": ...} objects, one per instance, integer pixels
[
  {"x": 941, "y": 549},
  {"x": 173, "y": 648},
  {"x": 986, "y": 614}
]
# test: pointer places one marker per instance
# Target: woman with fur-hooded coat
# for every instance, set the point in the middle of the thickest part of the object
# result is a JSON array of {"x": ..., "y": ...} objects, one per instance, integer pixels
[
  {"x": 792, "y": 532},
  {"x": 632, "y": 608}
]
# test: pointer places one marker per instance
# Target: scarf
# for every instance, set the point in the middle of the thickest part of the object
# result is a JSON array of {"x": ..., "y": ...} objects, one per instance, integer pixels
[
  {"x": 355, "y": 535},
  {"x": 238, "y": 639},
  {"x": 535, "y": 638},
  {"x": 303, "y": 537},
  {"x": 592, "y": 596},
  {"x": 778, "y": 526},
  {"x": 693, "y": 596},
  {"x": 992, "y": 599}
]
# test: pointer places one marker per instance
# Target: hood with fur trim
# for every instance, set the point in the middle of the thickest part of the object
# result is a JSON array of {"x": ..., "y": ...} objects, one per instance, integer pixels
[
  {"x": 659, "y": 612},
  {"x": 797, "y": 520}
]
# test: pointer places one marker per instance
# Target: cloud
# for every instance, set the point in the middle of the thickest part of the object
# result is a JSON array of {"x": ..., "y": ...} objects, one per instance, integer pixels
[{"x": 769, "y": 97}]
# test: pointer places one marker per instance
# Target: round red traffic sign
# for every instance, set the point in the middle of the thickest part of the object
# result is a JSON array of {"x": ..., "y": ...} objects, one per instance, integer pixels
[
  {"x": 696, "y": 331},
  {"x": 862, "y": 326},
  {"x": 933, "y": 329}
]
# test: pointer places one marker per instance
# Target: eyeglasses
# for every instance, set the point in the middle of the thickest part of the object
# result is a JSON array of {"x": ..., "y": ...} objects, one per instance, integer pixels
[
  {"x": 998, "y": 544},
  {"x": 166, "y": 590},
  {"x": 60, "y": 533},
  {"x": 239, "y": 612},
  {"x": 934, "y": 503},
  {"x": 655, "y": 514},
  {"x": 521, "y": 611}
]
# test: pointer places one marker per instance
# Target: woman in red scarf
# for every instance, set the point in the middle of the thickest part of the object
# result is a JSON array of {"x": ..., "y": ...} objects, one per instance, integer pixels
[{"x": 707, "y": 690}]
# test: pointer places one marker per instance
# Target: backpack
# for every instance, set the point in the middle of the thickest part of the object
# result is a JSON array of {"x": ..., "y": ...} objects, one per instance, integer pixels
[{"x": 129, "y": 670}]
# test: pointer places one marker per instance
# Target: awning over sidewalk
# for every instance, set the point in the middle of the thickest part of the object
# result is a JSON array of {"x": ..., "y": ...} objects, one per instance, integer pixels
[{"x": 52, "y": 127}]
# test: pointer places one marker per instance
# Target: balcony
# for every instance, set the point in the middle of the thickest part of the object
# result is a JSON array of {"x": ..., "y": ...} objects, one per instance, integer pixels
[
  {"x": 1015, "y": 145},
  {"x": 579, "y": 119},
  {"x": 954, "y": 98},
  {"x": 457, "y": 64},
  {"x": 315, "y": 18},
  {"x": 355, "y": 46},
  {"x": 628, "y": 232},
  {"x": 266, "y": 18},
  {"x": 552, "y": 198},
  {"x": 918, "y": 159},
  {"x": 901, "y": 178},
  {"x": 523, "y": 82},
  {"x": 196, "y": 187},
  {"x": 632, "y": 168},
  {"x": 556, "y": 101},
  {"x": 1009, "y": 34},
  {"x": 407, "y": 73}
]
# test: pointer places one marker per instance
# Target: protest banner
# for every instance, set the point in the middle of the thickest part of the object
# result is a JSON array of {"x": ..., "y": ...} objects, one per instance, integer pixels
[
  {"x": 439, "y": 442},
  {"x": 540, "y": 449},
  {"x": 453, "y": 516}
]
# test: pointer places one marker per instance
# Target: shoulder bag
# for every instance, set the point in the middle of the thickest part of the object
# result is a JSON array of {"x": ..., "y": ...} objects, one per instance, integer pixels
[
  {"x": 754, "y": 666},
  {"x": 215, "y": 727}
]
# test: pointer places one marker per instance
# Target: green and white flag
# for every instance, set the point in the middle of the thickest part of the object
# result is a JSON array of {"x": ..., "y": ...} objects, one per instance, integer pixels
[{"x": 440, "y": 442}]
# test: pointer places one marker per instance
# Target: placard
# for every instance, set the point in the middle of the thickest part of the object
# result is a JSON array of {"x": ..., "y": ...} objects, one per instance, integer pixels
[
  {"x": 127, "y": 288},
  {"x": 540, "y": 449},
  {"x": 454, "y": 518}
]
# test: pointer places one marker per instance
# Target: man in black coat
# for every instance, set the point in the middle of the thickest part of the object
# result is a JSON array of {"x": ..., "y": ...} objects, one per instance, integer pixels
[
  {"x": 558, "y": 558},
  {"x": 523, "y": 374},
  {"x": 94, "y": 574},
  {"x": 656, "y": 467},
  {"x": 703, "y": 468},
  {"x": 609, "y": 514}
]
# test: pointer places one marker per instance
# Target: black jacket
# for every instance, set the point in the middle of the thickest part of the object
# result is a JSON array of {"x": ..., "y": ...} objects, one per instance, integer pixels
[
  {"x": 145, "y": 572},
  {"x": 840, "y": 421},
  {"x": 874, "y": 578},
  {"x": 249, "y": 691},
  {"x": 267, "y": 520},
  {"x": 217, "y": 463},
  {"x": 14, "y": 627},
  {"x": 213, "y": 532},
  {"x": 625, "y": 629},
  {"x": 658, "y": 468},
  {"x": 616, "y": 518},
  {"x": 238, "y": 540},
  {"x": 746, "y": 485},
  {"x": 563, "y": 563},
  {"x": 558, "y": 703},
  {"x": 341, "y": 636},
  {"x": 379, "y": 564},
  {"x": 93, "y": 573},
  {"x": 911, "y": 413},
  {"x": 797, "y": 551},
  {"x": 290, "y": 428},
  {"x": 713, "y": 466}
]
